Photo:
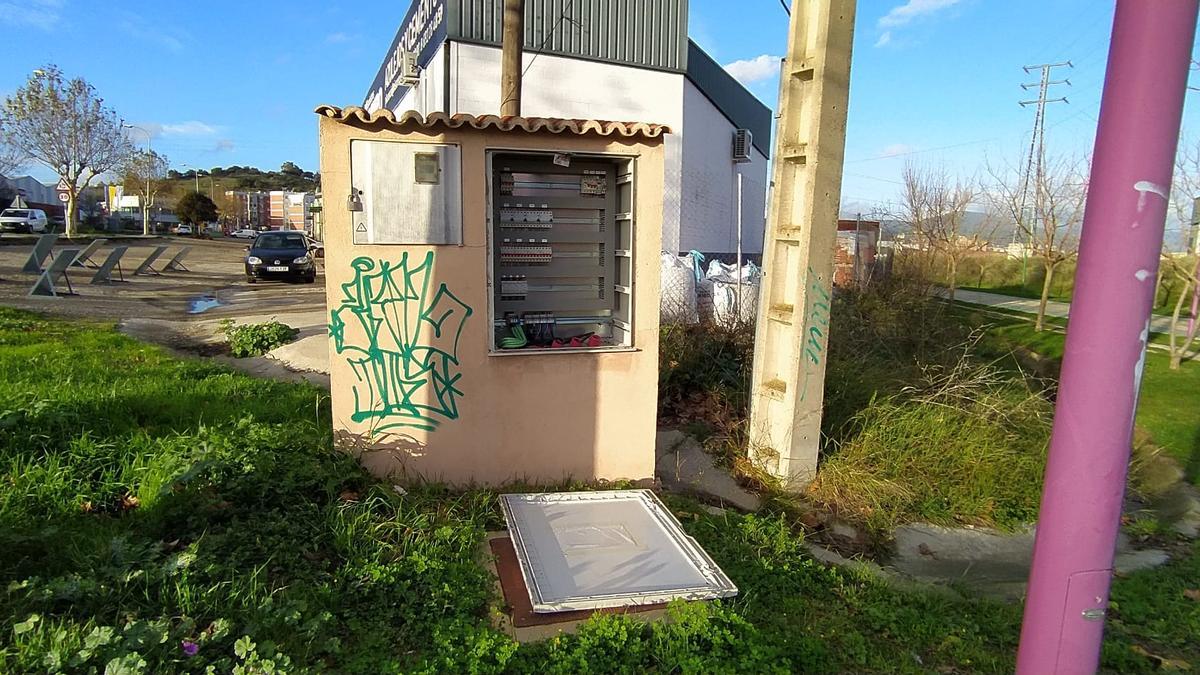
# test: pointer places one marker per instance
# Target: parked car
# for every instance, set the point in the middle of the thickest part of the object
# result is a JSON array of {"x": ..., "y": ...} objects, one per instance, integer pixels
[
  {"x": 23, "y": 220},
  {"x": 281, "y": 255},
  {"x": 245, "y": 233},
  {"x": 183, "y": 229}
]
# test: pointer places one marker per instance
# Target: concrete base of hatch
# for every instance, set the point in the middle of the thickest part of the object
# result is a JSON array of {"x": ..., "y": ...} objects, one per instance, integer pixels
[{"x": 515, "y": 615}]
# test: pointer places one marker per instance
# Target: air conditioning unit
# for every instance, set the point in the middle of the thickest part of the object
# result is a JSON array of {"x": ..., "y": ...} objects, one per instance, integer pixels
[
  {"x": 409, "y": 72},
  {"x": 742, "y": 142}
]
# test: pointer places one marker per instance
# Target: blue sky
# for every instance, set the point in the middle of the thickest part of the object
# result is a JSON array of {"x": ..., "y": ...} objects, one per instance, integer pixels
[{"x": 230, "y": 82}]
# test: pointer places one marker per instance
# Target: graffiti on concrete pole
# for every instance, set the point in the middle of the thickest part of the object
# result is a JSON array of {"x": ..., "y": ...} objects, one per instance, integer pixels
[{"x": 400, "y": 332}]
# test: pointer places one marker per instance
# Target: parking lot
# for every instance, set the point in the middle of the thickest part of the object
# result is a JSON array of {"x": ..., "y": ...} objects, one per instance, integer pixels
[
  {"x": 182, "y": 310},
  {"x": 215, "y": 287}
]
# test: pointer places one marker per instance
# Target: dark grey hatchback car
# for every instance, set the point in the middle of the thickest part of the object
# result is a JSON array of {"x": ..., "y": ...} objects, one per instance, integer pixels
[{"x": 281, "y": 255}]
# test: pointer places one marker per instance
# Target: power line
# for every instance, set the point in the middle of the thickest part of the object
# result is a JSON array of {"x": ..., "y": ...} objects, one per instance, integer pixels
[
  {"x": 1067, "y": 49},
  {"x": 918, "y": 152},
  {"x": 553, "y": 29},
  {"x": 863, "y": 175}
]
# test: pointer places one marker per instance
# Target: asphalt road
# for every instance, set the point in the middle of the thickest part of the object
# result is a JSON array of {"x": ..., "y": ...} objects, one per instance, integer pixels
[{"x": 215, "y": 276}]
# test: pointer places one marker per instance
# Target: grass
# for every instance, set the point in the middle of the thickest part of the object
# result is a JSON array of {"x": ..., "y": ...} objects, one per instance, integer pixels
[
  {"x": 999, "y": 273},
  {"x": 964, "y": 450},
  {"x": 1167, "y": 396},
  {"x": 166, "y": 516},
  {"x": 917, "y": 428},
  {"x": 1053, "y": 323}
]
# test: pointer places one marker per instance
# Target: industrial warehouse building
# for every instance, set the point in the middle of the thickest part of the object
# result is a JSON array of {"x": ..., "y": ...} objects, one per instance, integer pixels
[{"x": 626, "y": 60}]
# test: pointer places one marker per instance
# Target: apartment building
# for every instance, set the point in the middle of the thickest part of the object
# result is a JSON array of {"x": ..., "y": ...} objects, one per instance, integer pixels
[{"x": 290, "y": 210}]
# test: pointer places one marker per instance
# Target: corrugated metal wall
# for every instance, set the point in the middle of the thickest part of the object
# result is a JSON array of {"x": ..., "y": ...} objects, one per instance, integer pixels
[{"x": 646, "y": 33}]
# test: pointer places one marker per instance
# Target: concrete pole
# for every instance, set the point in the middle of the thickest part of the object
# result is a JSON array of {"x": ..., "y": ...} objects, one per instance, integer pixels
[
  {"x": 512, "y": 45},
  {"x": 792, "y": 326},
  {"x": 1106, "y": 338}
]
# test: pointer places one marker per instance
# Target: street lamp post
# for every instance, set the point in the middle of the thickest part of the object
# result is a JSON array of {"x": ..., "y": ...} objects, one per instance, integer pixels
[
  {"x": 149, "y": 168},
  {"x": 195, "y": 174}
]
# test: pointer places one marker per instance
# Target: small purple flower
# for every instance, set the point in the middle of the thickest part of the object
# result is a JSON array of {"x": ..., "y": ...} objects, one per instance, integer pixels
[{"x": 190, "y": 648}]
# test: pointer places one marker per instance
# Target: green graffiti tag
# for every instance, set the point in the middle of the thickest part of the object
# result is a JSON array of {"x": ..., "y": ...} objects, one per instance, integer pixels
[
  {"x": 817, "y": 330},
  {"x": 818, "y": 321},
  {"x": 400, "y": 337}
]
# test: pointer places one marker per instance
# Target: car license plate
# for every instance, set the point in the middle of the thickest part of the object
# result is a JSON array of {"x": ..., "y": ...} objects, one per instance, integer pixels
[{"x": 277, "y": 268}]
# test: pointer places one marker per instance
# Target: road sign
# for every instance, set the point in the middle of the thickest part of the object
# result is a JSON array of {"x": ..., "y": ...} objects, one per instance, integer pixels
[
  {"x": 63, "y": 197},
  {"x": 62, "y": 185}
]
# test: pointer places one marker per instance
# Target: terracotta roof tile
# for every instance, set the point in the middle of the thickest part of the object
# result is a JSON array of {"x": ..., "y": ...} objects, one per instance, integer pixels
[{"x": 485, "y": 122}]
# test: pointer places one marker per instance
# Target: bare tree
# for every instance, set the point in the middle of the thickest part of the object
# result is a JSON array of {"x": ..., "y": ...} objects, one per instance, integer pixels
[
  {"x": 144, "y": 173},
  {"x": 1182, "y": 334},
  {"x": 65, "y": 126},
  {"x": 1185, "y": 200},
  {"x": 230, "y": 208},
  {"x": 11, "y": 158},
  {"x": 934, "y": 206},
  {"x": 1047, "y": 210}
]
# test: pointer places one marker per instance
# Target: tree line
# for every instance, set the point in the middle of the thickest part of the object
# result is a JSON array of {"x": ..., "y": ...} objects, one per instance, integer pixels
[
  {"x": 63, "y": 124},
  {"x": 1042, "y": 205}
]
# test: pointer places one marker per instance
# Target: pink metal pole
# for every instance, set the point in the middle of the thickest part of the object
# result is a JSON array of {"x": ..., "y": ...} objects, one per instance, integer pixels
[{"x": 1106, "y": 337}]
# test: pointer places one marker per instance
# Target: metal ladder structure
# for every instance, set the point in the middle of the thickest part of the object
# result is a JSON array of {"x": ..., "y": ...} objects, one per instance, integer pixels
[{"x": 792, "y": 331}]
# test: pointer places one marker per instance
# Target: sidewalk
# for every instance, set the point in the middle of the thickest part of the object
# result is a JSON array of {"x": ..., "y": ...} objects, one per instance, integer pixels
[{"x": 1158, "y": 324}]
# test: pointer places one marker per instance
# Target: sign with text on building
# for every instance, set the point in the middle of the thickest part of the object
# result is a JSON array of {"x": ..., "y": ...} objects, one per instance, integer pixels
[{"x": 421, "y": 32}]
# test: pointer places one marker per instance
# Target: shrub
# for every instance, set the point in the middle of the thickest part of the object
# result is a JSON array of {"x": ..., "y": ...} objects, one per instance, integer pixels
[
  {"x": 702, "y": 364},
  {"x": 256, "y": 339},
  {"x": 965, "y": 444}
]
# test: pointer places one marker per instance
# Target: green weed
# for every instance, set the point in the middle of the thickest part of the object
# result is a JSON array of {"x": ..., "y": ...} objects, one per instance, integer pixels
[
  {"x": 256, "y": 339},
  {"x": 167, "y": 516},
  {"x": 965, "y": 445}
]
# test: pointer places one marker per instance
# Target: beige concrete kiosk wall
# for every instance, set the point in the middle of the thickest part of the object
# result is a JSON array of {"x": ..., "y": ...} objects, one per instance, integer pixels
[{"x": 488, "y": 419}]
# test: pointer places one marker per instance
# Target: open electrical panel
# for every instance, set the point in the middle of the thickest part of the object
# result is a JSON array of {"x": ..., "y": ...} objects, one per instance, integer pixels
[{"x": 561, "y": 237}]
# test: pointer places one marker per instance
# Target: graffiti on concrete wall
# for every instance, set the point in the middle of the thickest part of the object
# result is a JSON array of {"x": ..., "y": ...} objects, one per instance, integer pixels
[
  {"x": 400, "y": 332},
  {"x": 815, "y": 336}
]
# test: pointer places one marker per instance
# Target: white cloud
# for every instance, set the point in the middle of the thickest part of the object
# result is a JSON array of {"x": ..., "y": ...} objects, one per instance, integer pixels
[
  {"x": 43, "y": 14},
  {"x": 337, "y": 38},
  {"x": 757, "y": 69},
  {"x": 884, "y": 39},
  {"x": 138, "y": 27},
  {"x": 901, "y": 15},
  {"x": 188, "y": 128},
  {"x": 896, "y": 149}
]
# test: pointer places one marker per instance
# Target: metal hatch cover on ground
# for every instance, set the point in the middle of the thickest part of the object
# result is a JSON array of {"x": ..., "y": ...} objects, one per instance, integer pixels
[{"x": 592, "y": 550}]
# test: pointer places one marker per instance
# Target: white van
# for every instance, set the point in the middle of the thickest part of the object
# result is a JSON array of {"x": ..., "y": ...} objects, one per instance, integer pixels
[{"x": 23, "y": 220}]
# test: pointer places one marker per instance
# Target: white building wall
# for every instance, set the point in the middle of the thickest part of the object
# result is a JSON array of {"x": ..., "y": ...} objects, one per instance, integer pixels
[
  {"x": 428, "y": 95},
  {"x": 709, "y": 182},
  {"x": 699, "y": 186},
  {"x": 557, "y": 86}
]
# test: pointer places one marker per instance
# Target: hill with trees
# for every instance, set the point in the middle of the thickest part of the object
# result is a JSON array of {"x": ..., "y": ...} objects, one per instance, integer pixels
[{"x": 218, "y": 179}]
